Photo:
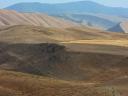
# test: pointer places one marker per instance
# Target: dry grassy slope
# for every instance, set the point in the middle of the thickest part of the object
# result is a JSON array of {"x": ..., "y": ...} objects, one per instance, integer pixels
[
  {"x": 28, "y": 34},
  {"x": 19, "y": 84},
  {"x": 8, "y": 18},
  {"x": 117, "y": 47},
  {"x": 38, "y": 34},
  {"x": 81, "y": 61},
  {"x": 54, "y": 61},
  {"x": 51, "y": 60},
  {"x": 81, "y": 55},
  {"x": 120, "y": 83}
]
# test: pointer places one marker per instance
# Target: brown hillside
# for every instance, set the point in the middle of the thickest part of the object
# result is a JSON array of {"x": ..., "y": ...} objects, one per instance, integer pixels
[
  {"x": 55, "y": 61},
  {"x": 124, "y": 26},
  {"x": 40, "y": 58},
  {"x": 9, "y": 18},
  {"x": 38, "y": 34},
  {"x": 19, "y": 84}
]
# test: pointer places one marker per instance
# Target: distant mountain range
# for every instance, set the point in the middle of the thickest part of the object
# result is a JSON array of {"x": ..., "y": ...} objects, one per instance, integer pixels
[
  {"x": 72, "y": 7},
  {"x": 94, "y": 20},
  {"x": 84, "y": 12}
]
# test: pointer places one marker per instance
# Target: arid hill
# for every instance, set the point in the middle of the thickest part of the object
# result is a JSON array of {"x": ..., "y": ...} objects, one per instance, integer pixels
[
  {"x": 9, "y": 18},
  {"x": 66, "y": 64},
  {"x": 122, "y": 27},
  {"x": 39, "y": 60},
  {"x": 125, "y": 26},
  {"x": 38, "y": 34},
  {"x": 20, "y": 84},
  {"x": 56, "y": 61}
]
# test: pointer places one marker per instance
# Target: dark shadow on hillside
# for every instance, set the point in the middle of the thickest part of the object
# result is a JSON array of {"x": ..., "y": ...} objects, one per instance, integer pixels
[{"x": 53, "y": 60}]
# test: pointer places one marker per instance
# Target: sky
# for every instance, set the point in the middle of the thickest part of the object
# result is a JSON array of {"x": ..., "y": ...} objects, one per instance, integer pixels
[{"x": 113, "y": 3}]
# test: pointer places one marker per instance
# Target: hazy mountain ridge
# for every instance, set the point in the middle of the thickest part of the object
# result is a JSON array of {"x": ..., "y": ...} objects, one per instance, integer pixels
[
  {"x": 93, "y": 20},
  {"x": 72, "y": 7},
  {"x": 82, "y": 12}
]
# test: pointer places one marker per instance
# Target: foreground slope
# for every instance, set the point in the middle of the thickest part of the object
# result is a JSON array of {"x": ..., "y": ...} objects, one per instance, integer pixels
[
  {"x": 76, "y": 62},
  {"x": 22, "y": 50},
  {"x": 19, "y": 84}
]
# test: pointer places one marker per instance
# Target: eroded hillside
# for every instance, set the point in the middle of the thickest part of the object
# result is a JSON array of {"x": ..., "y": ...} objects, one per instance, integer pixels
[{"x": 10, "y": 18}]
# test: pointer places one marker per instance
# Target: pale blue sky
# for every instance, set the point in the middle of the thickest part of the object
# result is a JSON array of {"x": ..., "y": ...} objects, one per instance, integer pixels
[{"x": 117, "y": 3}]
